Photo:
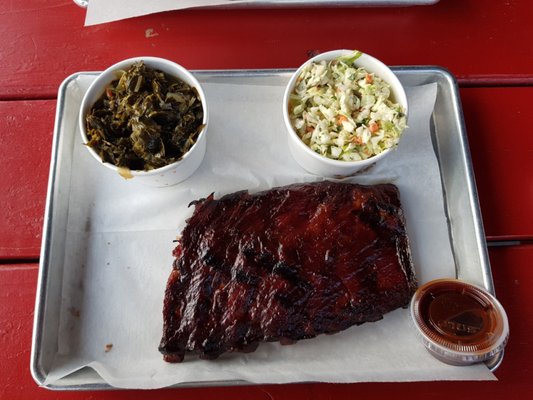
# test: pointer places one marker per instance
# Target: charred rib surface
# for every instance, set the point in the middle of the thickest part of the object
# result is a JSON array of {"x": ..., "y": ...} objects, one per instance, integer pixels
[{"x": 285, "y": 264}]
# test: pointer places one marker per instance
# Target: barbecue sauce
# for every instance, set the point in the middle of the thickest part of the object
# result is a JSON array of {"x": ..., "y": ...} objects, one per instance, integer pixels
[{"x": 460, "y": 323}]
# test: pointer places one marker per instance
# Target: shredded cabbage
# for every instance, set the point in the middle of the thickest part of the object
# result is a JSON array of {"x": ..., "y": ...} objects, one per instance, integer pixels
[{"x": 344, "y": 112}]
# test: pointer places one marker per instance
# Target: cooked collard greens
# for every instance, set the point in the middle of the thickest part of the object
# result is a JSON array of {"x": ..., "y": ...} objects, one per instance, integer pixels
[{"x": 145, "y": 119}]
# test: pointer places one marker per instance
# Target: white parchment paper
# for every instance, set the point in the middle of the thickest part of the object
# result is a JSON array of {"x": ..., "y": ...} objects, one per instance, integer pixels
[{"x": 119, "y": 244}]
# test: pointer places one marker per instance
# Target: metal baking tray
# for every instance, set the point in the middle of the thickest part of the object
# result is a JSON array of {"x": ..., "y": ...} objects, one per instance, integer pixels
[
  {"x": 313, "y": 3},
  {"x": 461, "y": 202}
]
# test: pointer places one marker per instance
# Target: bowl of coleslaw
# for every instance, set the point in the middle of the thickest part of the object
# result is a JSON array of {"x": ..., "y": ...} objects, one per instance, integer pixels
[{"x": 344, "y": 111}]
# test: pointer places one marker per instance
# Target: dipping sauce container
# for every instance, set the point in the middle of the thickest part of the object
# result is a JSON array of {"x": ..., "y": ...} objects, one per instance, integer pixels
[{"x": 460, "y": 323}]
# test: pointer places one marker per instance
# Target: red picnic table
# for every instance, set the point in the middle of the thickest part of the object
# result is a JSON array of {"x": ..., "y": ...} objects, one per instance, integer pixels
[{"x": 485, "y": 45}]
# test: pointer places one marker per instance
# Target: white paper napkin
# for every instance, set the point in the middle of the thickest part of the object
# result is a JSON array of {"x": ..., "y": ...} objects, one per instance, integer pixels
[{"x": 100, "y": 11}]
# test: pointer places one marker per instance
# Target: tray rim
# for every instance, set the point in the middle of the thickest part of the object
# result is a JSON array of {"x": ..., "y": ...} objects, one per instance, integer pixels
[
  {"x": 37, "y": 371},
  {"x": 309, "y": 3}
]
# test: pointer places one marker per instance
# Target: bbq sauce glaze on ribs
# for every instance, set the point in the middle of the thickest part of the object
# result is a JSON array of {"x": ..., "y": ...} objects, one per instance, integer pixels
[{"x": 285, "y": 264}]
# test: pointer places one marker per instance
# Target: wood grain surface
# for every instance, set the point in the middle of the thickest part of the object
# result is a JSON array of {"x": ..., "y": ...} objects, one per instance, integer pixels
[
  {"x": 503, "y": 165},
  {"x": 485, "y": 44},
  {"x": 45, "y": 40},
  {"x": 26, "y": 138},
  {"x": 512, "y": 278},
  {"x": 497, "y": 120}
]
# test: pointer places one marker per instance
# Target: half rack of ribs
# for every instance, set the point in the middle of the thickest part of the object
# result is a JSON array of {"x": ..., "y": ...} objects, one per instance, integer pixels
[{"x": 285, "y": 264}]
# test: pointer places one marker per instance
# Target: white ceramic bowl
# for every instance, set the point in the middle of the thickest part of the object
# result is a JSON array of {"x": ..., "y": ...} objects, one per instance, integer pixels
[
  {"x": 321, "y": 165},
  {"x": 170, "y": 174}
]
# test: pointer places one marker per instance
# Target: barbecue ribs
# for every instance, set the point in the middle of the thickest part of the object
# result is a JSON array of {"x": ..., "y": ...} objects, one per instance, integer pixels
[{"x": 285, "y": 264}]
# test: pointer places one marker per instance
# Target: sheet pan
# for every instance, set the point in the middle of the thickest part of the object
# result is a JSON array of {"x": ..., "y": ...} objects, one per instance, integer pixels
[{"x": 460, "y": 197}]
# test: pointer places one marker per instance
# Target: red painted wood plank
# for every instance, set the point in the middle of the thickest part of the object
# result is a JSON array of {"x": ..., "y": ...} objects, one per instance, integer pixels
[
  {"x": 498, "y": 123},
  {"x": 26, "y": 128},
  {"x": 45, "y": 40},
  {"x": 502, "y": 166},
  {"x": 513, "y": 279}
]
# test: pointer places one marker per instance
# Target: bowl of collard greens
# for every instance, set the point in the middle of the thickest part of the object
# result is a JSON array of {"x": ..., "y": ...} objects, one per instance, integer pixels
[{"x": 146, "y": 118}]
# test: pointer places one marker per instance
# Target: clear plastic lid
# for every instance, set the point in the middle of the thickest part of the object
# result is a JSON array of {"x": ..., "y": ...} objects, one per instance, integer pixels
[{"x": 460, "y": 323}]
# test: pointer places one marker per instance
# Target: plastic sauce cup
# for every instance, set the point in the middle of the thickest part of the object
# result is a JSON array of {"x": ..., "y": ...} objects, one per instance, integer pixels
[{"x": 460, "y": 323}]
